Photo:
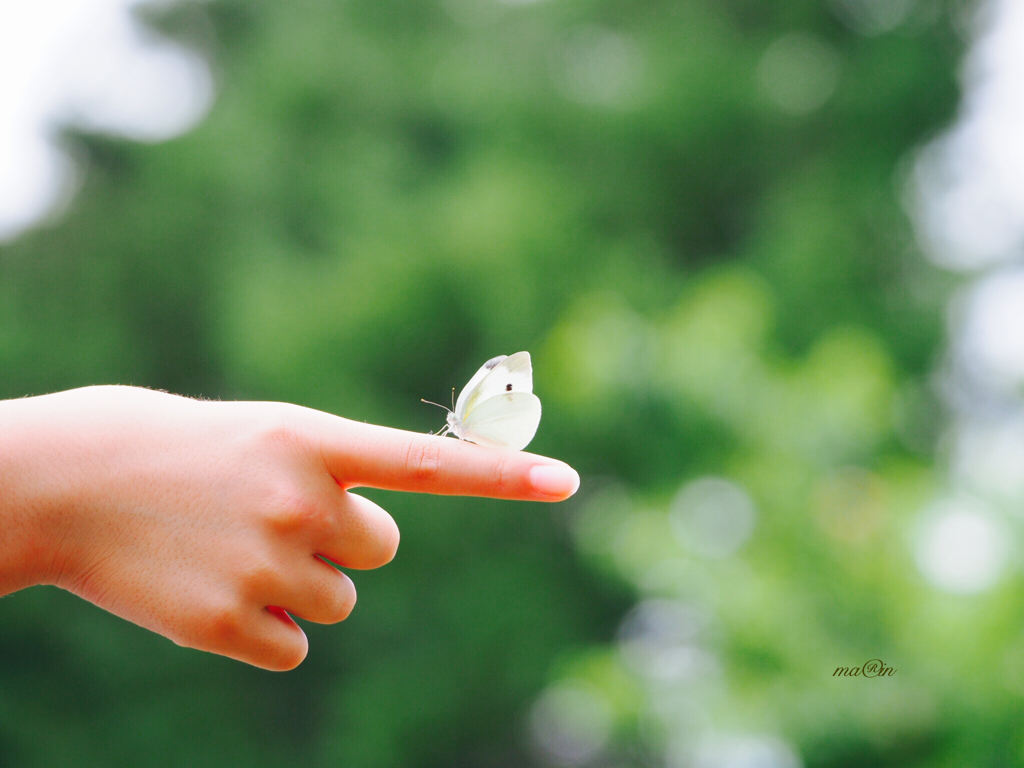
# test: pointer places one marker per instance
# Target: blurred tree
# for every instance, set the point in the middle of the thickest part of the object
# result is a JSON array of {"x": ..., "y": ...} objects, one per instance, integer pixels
[{"x": 687, "y": 210}]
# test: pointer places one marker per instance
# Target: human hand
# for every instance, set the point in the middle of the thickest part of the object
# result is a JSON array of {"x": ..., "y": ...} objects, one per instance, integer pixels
[{"x": 208, "y": 521}]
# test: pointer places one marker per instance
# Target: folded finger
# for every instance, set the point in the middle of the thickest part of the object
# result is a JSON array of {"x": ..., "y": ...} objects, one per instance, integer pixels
[
  {"x": 364, "y": 536},
  {"x": 264, "y": 637},
  {"x": 315, "y": 591}
]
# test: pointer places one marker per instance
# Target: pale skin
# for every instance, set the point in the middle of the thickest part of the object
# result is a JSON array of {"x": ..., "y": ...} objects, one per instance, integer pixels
[{"x": 210, "y": 522}]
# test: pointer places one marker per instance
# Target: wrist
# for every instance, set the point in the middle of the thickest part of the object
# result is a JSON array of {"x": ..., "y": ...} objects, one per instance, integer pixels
[{"x": 30, "y": 500}]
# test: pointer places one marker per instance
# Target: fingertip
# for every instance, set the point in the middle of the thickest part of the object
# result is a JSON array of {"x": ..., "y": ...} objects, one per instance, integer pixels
[{"x": 555, "y": 481}]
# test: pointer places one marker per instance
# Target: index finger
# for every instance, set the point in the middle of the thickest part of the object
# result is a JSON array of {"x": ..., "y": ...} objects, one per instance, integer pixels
[{"x": 360, "y": 454}]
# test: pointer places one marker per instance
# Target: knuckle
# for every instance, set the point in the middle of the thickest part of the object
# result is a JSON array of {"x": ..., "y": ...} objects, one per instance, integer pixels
[
  {"x": 390, "y": 539},
  {"x": 257, "y": 577},
  {"x": 285, "y": 656},
  {"x": 333, "y": 596},
  {"x": 282, "y": 428},
  {"x": 293, "y": 510},
  {"x": 278, "y": 428},
  {"x": 225, "y": 625},
  {"x": 423, "y": 459},
  {"x": 343, "y": 603},
  {"x": 373, "y": 540}
]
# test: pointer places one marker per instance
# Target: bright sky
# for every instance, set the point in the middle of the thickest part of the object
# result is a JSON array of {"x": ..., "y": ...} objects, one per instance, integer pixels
[
  {"x": 85, "y": 63},
  {"x": 972, "y": 180},
  {"x": 969, "y": 209}
]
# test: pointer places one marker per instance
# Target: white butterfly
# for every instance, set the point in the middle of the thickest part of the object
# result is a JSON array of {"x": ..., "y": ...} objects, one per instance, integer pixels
[{"x": 497, "y": 407}]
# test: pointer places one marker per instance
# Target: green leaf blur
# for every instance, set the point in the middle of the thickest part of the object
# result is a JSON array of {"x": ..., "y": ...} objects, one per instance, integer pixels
[{"x": 715, "y": 277}]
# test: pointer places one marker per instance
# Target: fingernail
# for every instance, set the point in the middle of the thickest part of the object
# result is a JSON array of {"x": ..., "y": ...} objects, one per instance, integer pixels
[{"x": 554, "y": 480}]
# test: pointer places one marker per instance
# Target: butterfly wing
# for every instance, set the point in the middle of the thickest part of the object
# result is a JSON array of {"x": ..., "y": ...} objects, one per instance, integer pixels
[
  {"x": 473, "y": 384},
  {"x": 498, "y": 376},
  {"x": 507, "y": 420}
]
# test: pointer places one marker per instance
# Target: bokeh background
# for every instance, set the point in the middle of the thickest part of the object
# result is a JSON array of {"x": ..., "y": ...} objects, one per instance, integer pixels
[{"x": 763, "y": 255}]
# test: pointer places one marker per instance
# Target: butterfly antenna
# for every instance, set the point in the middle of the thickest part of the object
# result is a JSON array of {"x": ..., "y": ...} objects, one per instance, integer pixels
[
  {"x": 453, "y": 399},
  {"x": 431, "y": 402}
]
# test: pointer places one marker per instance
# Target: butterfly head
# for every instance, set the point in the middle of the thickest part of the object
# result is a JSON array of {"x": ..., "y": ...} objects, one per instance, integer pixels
[{"x": 453, "y": 421}]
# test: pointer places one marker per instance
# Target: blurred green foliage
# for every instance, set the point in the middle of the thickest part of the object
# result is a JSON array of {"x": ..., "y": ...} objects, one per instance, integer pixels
[{"x": 712, "y": 282}]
